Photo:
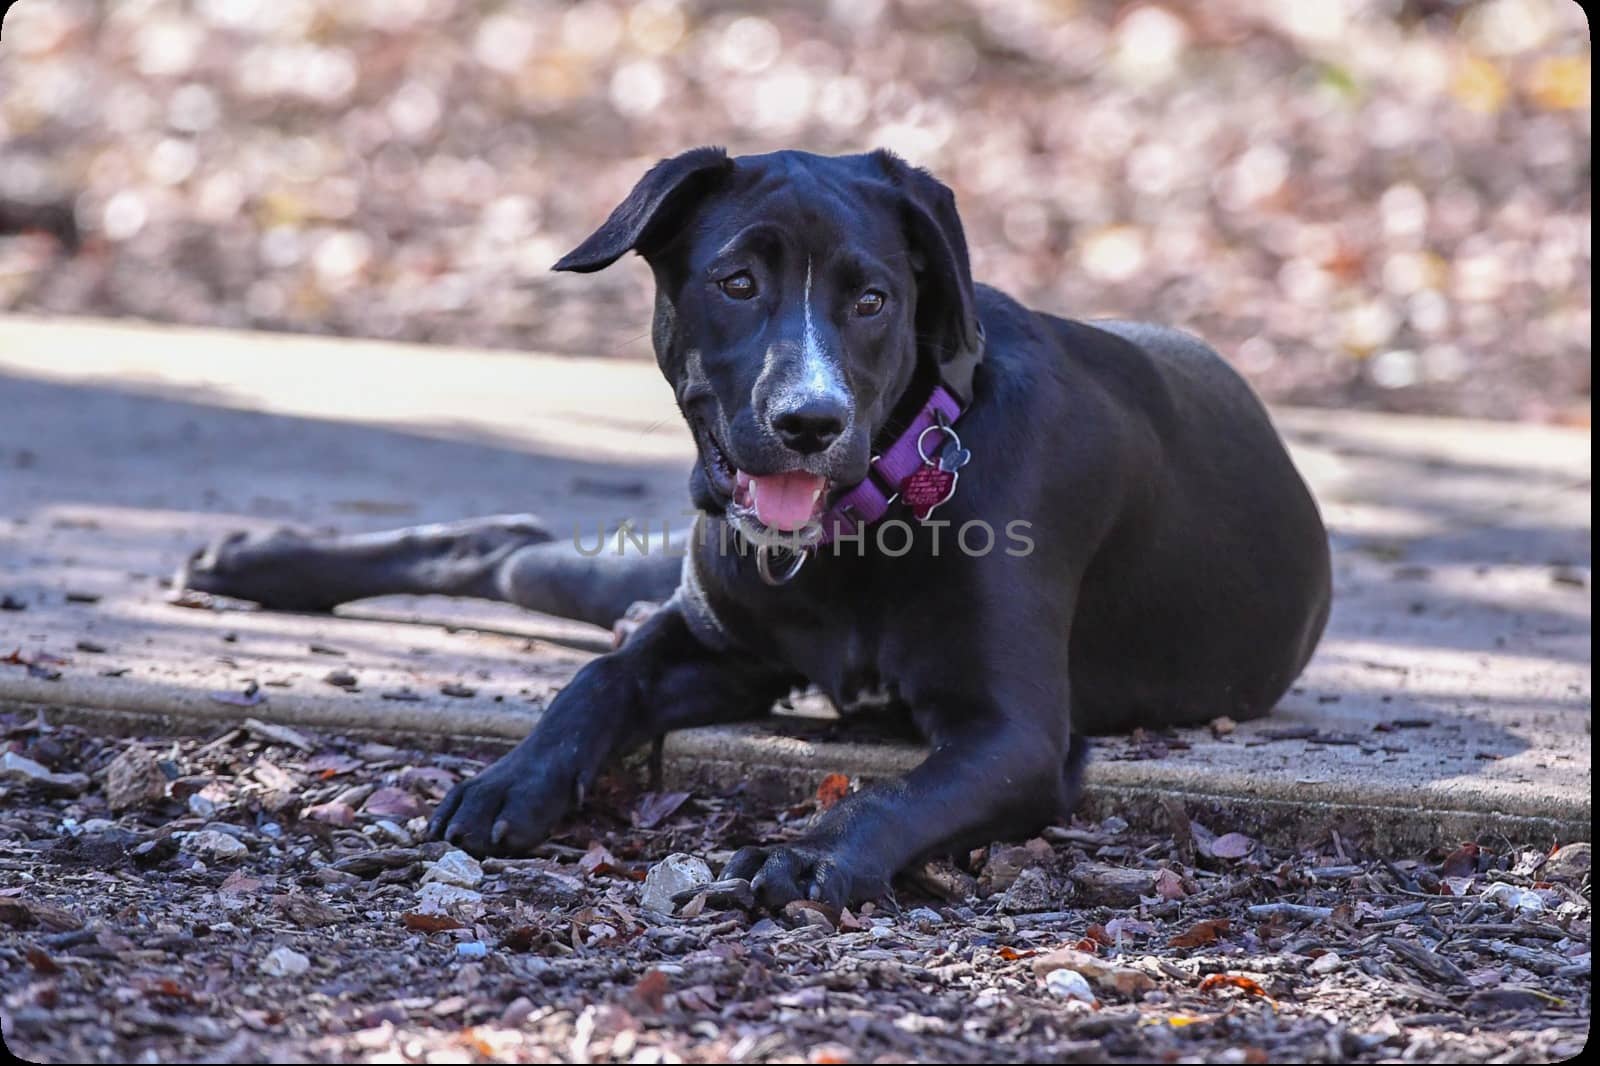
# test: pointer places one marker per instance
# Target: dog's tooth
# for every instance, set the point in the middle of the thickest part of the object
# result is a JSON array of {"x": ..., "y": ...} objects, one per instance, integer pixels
[{"x": 816, "y": 494}]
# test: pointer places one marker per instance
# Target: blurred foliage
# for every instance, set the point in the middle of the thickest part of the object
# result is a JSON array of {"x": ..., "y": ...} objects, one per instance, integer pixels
[{"x": 1363, "y": 202}]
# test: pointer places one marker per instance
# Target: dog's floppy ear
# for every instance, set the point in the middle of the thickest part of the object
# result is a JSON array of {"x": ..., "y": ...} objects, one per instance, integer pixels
[
  {"x": 641, "y": 220},
  {"x": 947, "y": 314}
]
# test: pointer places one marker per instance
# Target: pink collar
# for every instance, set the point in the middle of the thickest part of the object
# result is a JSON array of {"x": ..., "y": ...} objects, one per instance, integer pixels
[{"x": 920, "y": 468}]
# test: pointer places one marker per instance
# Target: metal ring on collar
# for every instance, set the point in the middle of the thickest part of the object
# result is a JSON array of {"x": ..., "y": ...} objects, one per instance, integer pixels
[
  {"x": 764, "y": 565},
  {"x": 947, "y": 432}
]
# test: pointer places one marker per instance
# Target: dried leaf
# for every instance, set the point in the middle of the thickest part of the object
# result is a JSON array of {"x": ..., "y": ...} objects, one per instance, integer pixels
[
  {"x": 650, "y": 993},
  {"x": 599, "y": 862},
  {"x": 654, "y": 808},
  {"x": 430, "y": 923},
  {"x": 1479, "y": 85},
  {"x": 391, "y": 802},
  {"x": 1201, "y": 933},
  {"x": 1232, "y": 980},
  {"x": 1168, "y": 886},
  {"x": 834, "y": 788},
  {"x": 330, "y": 764},
  {"x": 1462, "y": 862},
  {"x": 1560, "y": 83}
]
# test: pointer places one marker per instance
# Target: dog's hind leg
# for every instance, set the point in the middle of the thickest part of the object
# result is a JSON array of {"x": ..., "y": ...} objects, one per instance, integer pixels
[
  {"x": 556, "y": 578},
  {"x": 507, "y": 557}
]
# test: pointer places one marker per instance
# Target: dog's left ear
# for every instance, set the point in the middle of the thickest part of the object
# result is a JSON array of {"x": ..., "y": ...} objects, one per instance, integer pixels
[
  {"x": 947, "y": 313},
  {"x": 643, "y": 220}
]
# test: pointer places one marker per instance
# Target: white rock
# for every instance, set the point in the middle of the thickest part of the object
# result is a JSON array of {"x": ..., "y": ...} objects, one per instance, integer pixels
[
  {"x": 454, "y": 868},
  {"x": 1069, "y": 984},
  {"x": 675, "y": 873},
  {"x": 473, "y": 949},
  {"x": 21, "y": 768},
  {"x": 214, "y": 844},
  {"x": 1522, "y": 900},
  {"x": 925, "y": 916},
  {"x": 1326, "y": 963},
  {"x": 284, "y": 962},
  {"x": 395, "y": 833},
  {"x": 440, "y": 898}
]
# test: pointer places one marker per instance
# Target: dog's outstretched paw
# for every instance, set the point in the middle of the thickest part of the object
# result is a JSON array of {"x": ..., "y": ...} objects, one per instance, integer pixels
[
  {"x": 783, "y": 873},
  {"x": 264, "y": 567},
  {"x": 508, "y": 809},
  {"x": 638, "y": 613}
]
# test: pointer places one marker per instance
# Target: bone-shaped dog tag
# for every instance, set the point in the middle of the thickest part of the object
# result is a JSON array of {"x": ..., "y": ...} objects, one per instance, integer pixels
[{"x": 953, "y": 457}]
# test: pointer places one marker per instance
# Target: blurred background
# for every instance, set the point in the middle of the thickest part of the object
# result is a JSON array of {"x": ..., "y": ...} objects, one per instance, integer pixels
[{"x": 1363, "y": 203}]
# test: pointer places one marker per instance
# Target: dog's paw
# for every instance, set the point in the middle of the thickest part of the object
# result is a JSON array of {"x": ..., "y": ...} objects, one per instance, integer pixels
[
  {"x": 638, "y": 613},
  {"x": 507, "y": 809},
  {"x": 264, "y": 567},
  {"x": 803, "y": 869}
]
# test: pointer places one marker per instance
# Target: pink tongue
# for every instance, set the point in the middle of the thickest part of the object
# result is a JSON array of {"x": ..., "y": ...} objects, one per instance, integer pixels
[{"x": 784, "y": 501}]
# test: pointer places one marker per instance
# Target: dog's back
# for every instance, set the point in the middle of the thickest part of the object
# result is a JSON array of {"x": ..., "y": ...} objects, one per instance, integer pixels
[{"x": 1216, "y": 589}]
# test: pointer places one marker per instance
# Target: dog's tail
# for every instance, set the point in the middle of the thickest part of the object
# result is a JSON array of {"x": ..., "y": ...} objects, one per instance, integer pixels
[{"x": 1072, "y": 773}]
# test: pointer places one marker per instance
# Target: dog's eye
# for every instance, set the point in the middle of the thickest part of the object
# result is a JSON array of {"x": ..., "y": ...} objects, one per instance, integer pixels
[
  {"x": 740, "y": 286},
  {"x": 869, "y": 303}
]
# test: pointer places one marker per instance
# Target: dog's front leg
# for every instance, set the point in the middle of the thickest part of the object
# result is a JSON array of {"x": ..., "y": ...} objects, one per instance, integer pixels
[
  {"x": 662, "y": 679},
  {"x": 987, "y": 775}
]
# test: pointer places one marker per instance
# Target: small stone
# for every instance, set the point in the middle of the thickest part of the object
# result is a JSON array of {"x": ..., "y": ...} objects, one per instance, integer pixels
[
  {"x": 214, "y": 844},
  {"x": 133, "y": 779},
  {"x": 21, "y": 768},
  {"x": 1031, "y": 891},
  {"x": 809, "y": 912},
  {"x": 1069, "y": 984},
  {"x": 517, "y": 1012},
  {"x": 1526, "y": 902},
  {"x": 201, "y": 807},
  {"x": 1107, "y": 975},
  {"x": 676, "y": 873},
  {"x": 1569, "y": 865},
  {"x": 1006, "y": 863},
  {"x": 473, "y": 949},
  {"x": 925, "y": 916},
  {"x": 454, "y": 867},
  {"x": 284, "y": 962},
  {"x": 331, "y": 813},
  {"x": 1326, "y": 963},
  {"x": 440, "y": 898},
  {"x": 386, "y": 828},
  {"x": 941, "y": 878}
]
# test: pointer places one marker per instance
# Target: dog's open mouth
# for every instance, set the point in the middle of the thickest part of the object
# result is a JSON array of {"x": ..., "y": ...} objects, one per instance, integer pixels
[{"x": 785, "y": 502}]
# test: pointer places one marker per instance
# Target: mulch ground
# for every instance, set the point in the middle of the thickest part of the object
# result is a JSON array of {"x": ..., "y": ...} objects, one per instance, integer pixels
[{"x": 264, "y": 895}]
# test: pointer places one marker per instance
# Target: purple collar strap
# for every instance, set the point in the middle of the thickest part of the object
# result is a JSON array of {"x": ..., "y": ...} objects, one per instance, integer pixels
[{"x": 920, "y": 467}]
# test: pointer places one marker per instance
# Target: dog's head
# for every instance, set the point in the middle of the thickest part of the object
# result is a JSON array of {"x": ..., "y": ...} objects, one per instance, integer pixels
[{"x": 798, "y": 298}]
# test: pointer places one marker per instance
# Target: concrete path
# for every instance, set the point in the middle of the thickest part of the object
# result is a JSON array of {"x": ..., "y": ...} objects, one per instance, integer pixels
[{"x": 1450, "y": 699}]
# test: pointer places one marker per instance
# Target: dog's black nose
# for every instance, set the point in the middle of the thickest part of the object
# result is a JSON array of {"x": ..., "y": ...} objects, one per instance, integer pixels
[{"x": 812, "y": 426}]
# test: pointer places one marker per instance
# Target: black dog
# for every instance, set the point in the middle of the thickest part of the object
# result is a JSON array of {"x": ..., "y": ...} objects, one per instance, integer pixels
[{"x": 1117, "y": 536}]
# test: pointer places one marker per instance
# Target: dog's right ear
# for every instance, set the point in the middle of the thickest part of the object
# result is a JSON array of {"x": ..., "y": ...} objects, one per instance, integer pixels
[{"x": 643, "y": 220}]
